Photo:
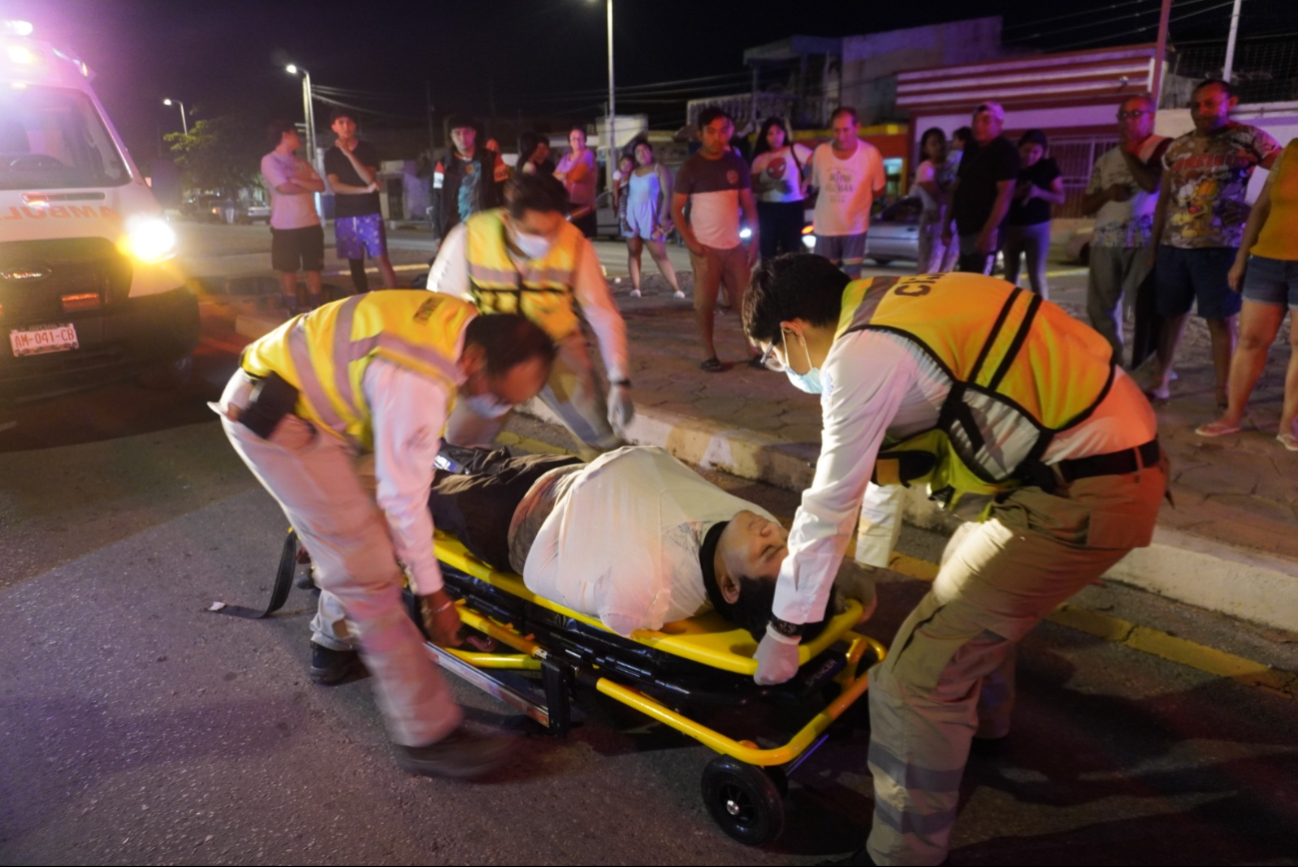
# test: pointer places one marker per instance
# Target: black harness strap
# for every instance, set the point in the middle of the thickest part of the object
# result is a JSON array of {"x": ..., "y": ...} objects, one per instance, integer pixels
[{"x": 279, "y": 591}]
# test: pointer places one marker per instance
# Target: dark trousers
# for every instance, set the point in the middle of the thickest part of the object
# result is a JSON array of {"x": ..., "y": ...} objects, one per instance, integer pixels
[
  {"x": 780, "y": 227},
  {"x": 478, "y": 506},
  {"x": 1144, "y": 339}
]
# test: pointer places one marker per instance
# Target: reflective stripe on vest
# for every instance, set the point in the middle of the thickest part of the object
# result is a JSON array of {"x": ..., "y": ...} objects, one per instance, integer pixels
[
  {"x": 540, "y": 289},
  {"x": 321, "y": 355},
  {"x": 1036, "y": 363}
]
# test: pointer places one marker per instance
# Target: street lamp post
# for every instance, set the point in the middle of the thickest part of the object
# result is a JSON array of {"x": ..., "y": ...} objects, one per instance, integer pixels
[
  {"x": 184, "y": 122},
  {"x": 612, "y": 105},
  {"x": 307, "y": 109}
]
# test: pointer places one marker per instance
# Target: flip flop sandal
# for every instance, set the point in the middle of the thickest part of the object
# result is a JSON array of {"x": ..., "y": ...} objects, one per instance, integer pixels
[
  {"x": 1216, "y": 429},
  {"x": 712, "y": 365},
  {"x": 1288, "y": 440}
]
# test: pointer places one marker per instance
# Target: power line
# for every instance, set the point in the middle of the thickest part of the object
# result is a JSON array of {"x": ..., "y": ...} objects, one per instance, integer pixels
[{"x": 1091, "y": 11}]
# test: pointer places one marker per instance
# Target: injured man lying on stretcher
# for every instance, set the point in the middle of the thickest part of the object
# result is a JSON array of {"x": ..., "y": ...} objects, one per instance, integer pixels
[{"x": 635, "y": 537}]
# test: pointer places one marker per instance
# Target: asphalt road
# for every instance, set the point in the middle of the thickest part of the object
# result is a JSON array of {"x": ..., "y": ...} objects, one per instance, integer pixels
[{"x": 138, "y": 728}]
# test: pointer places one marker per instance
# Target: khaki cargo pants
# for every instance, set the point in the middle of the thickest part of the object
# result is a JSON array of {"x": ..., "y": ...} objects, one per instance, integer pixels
[{"x": 949, "y": 674}]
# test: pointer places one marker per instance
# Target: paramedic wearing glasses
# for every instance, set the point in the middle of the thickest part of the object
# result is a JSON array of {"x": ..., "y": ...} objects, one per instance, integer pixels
[
  {"x": 997, "y": 401},
  {"x": 376, "y": 375}
]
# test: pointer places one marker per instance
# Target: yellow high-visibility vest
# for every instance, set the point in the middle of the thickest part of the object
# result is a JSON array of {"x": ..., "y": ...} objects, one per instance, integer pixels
[
  {"x": 324, "y": 354},
  {"x": 1011, "y": 356},
  {"x": 540, "y": 289}
]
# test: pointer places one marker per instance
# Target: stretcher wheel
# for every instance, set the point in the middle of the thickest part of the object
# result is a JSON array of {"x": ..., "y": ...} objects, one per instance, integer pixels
[{"x": 743, "y": 800}]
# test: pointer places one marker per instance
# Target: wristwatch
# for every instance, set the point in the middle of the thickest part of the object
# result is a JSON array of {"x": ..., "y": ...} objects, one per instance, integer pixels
[
  {"x": 787, "y": 629},
  {"x": 623, "y": 382}
]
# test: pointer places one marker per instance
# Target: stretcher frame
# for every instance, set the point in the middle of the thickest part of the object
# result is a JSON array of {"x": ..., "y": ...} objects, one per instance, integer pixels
[{"x": 744, "y": 786}]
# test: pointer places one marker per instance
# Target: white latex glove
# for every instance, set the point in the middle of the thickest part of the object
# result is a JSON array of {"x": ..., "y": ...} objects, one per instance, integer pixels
[
  {"x": 777, "y": 658},
  {"x": 620, "y": 408}
]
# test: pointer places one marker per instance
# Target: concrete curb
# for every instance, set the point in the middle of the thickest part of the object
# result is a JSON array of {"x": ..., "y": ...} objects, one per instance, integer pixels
[{"x": 1235, "y": 581}]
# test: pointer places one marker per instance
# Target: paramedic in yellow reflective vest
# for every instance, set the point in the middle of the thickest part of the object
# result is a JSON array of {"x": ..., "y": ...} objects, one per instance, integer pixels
[
  {"x": 995, "y": 401},
  {"x": 527, "y": 258},
  {"x": 375, "y": 376}
]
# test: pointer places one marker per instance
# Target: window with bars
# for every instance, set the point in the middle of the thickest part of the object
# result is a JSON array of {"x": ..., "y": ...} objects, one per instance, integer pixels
[{"x": 1076, "y": 156}]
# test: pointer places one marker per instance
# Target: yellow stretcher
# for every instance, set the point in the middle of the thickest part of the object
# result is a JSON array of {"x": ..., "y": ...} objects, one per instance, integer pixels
[{"x": 701, "y": 664}]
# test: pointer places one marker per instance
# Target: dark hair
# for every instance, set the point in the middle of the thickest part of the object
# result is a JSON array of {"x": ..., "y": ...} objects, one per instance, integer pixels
[
  {"x": 508, "y": 340},
  {"x": 1224, "y": 85},
  {"x": 1035, "y": 136},
  {"x": 752, "y": 610},
  {"x": 640, "y": 139},
  {"x": 962, "y": 135},
  {"x": 535, "y": 192},
  {"x": 458, "y": 121},
  {"x": 844, "y": 109},
  {"x": 578, "y": 127},
  {"x": 711, "y": 113},
  {"x": 528, "y": 142},
  {"x": 792, "y": 286},
  {"x": 929, "y": 133},
  {"x": 275, "y": 131},
  {"x": 339, "y": 111},
  {"x": 762, "y": 147}
]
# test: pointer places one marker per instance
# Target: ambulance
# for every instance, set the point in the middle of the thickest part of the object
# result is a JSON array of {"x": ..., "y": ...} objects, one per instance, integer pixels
[{"x": 89, "y": 279}]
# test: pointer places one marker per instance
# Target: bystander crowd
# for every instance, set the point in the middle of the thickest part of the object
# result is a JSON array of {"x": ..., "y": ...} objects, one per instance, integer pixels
[
  {"x": 716, "y": 185},
  {"x": 985, "y": 182},
  {"x": 579, "y": 175},
  {"x": 848, "y": 173},
  {"x": 934, "y": 180},
  {"x": 1027, "y": 229},
  {"x": 467, "y": 180},
  {"x": 352, "y": 168},
  {"x": 779, "y": 185},
  {"x": 297, "y": 240},
  {"x": 1198, "y": 227},
  {"x": 1123, "y": 194},
  {"x": 648, "y": 216}
]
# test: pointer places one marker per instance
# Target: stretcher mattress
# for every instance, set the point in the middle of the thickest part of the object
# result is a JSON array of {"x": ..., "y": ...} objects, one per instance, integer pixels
[{"x": 707, "y": 638}]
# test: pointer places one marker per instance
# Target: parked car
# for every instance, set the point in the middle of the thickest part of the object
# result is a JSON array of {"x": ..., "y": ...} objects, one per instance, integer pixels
[
  {"x": 228, "y": 211},
  {"x": 1079, "y": 245},
  {"x": 894, "y": 232}
]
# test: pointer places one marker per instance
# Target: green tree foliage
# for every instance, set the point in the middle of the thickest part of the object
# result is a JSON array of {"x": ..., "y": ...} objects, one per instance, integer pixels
[{"x": 219, "y": 153}]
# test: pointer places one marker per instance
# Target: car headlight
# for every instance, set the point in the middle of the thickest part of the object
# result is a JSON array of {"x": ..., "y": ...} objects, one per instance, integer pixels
[
  {"x": 150, "y": 239},
  {"x": 809, "y": 241},
  {"x": 745, "y": 233}
]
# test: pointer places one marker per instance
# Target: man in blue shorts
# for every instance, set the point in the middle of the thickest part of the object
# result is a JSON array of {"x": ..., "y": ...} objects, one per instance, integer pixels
[
  {"x": 1198, "y": 227},
  {"x": 352, "y": 167}
]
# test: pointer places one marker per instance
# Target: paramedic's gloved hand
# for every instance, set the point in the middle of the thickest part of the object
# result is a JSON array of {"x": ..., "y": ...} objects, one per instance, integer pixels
[
  {"x": 777, "y": 658},
  {"x": 620, "y": 408},
  {"x": 441, "y": 618}
]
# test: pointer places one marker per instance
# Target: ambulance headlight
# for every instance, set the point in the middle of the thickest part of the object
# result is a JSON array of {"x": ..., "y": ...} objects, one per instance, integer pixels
[
  {"x": 23, "y": 56},
  {"x": 17, "y": 28},
  {"x": 150, "y": 239}
]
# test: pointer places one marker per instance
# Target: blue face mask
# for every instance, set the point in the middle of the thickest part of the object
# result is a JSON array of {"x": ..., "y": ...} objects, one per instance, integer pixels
[{"x": 809, "y": 381}]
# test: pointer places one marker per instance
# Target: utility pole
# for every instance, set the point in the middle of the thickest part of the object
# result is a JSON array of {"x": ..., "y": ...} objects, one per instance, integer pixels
[
  {"x": 1228, "y": 67},
  {"x": 612, "y": 105},
  {"x": 428, "y": 112},
  {"x": 1156, "y": 84}
]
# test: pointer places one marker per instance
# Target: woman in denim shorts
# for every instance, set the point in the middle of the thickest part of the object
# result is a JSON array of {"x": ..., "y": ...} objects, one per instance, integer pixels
[{"x": 1267, "y": 265}]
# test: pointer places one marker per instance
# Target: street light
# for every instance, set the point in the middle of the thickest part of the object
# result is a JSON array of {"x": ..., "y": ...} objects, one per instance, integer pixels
[
  {"x": 307, "y": 109},
  {"x": 184, "y": 123}
]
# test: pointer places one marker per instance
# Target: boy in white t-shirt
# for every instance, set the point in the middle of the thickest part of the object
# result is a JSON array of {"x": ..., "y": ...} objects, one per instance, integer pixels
[
  {"x": 849, "y": 174},
  {"x": 297, "y": 241}
]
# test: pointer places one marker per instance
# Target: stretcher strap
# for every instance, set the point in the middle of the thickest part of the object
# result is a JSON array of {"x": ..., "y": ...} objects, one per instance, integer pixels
[{"x": 283, "y": 583}]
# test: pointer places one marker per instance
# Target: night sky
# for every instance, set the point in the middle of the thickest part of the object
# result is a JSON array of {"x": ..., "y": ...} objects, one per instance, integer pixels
[{"x": 541, "y": 57}]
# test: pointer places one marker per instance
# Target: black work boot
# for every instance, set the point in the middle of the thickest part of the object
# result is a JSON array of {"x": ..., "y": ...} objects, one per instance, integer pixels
[
  {"x": 332, "y": 667},
  {"x": 463, "y": 754}
]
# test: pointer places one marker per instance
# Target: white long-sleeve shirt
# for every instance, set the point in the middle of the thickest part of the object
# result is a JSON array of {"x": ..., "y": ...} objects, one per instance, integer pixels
[
  {"x": 409, "y": 412},
  {"x": 450, "y": 274},
  {"x": 623, "y": 543},
  {"x": 878, "y": 385}
]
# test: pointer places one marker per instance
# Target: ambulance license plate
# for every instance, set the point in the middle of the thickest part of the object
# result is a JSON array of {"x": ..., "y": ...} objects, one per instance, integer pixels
[{"x": 38, "y": 341}]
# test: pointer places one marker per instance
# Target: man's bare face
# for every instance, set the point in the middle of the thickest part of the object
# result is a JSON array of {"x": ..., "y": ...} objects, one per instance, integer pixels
[
  {"x": 345, "y": 128},
  {"x": 1135, "y": 120},
  {"x": 1210, "y": 108},
  {"x": 464, "y": 137},
  {"x": 986, "y": 126},
  {"x": 716, "y": 136},
  {"x": 844, "y": 132},
  {"x": 753, "y": 546}
]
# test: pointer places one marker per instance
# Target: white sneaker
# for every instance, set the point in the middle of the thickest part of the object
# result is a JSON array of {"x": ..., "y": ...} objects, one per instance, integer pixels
[
  {"x": 635, "y": 293},
  {"x": 678, "y": 294}
]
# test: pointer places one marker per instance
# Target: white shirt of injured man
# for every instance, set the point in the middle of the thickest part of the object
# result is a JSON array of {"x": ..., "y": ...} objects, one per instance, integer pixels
[{"x": 629, "y": 552}]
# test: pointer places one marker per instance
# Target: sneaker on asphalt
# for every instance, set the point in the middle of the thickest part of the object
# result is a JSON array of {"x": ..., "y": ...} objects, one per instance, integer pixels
[
  {"x": 463, "y": 754},
  {"x": 331, "y": 667}
]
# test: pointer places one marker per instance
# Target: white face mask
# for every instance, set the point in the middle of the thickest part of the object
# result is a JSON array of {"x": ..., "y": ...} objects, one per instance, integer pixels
[
  {"x": 532, "y": 246},
  {"x": 486, "y": 405},
  {"x": 810, "y": 381}
]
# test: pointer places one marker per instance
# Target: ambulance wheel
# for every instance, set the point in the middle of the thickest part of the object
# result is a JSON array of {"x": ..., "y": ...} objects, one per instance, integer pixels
[{"x": 743, "y": 800}]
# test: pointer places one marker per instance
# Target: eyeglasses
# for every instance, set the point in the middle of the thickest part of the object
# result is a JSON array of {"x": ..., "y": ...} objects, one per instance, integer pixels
[{"x": 1139, "y": 112}]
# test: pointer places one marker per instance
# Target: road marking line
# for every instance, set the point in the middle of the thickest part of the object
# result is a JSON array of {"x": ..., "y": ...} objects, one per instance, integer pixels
[{"x": 1145, "y": 639}]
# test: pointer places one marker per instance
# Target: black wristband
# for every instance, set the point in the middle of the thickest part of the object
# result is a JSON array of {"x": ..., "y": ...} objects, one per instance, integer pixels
[
  {"x": 624, "y": 382},
  {"x": 787, "y": 629}
]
